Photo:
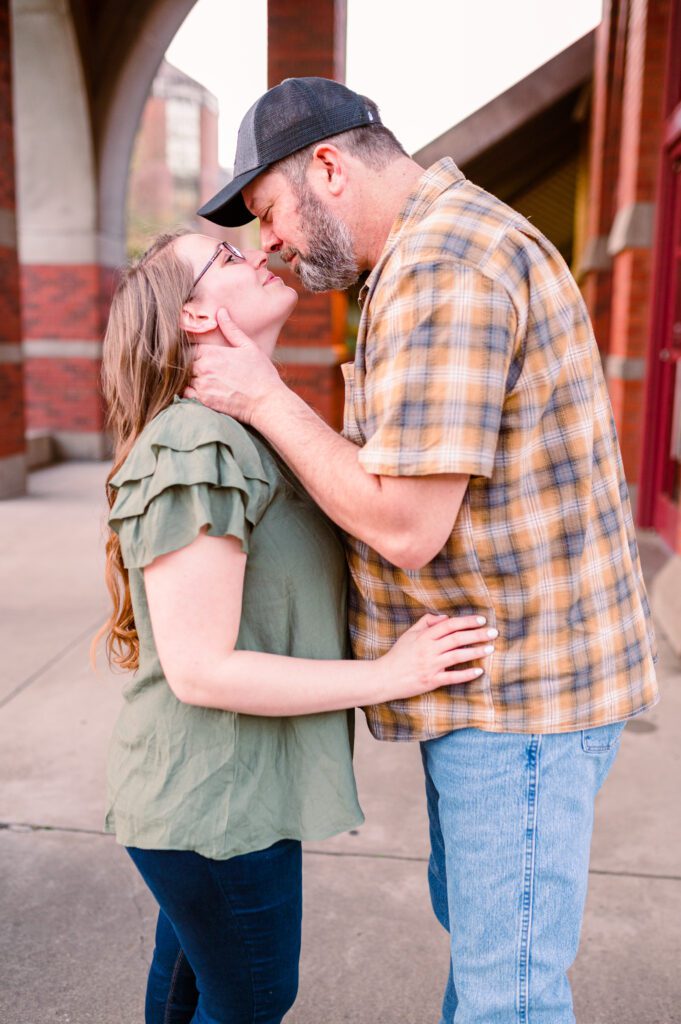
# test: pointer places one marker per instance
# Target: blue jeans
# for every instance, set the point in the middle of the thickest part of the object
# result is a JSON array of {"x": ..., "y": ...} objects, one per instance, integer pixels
[
  {"x": 228, "y": 935},
  {"x": 511, "y": 818}
]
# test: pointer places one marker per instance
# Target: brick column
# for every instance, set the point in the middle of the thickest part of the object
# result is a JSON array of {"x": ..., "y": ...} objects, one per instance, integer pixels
[
  {"x": 631, "y": 234},
  {"x": 12, "y": 445},
  {"x": 307, "y": 37},
  {"x": 594, "y": 270},
  {"x": 63, "y": 311},
  {"x": 61, "y": 275}
]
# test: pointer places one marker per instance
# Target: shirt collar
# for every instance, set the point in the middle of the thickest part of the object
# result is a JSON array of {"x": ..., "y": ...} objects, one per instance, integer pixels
[{"x": 433, "y": 182}]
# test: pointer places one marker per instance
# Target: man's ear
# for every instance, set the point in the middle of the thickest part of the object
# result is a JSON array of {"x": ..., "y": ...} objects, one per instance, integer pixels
[
  {"x": 329, "y": 165},
  {"x": 194, "y": 321}
]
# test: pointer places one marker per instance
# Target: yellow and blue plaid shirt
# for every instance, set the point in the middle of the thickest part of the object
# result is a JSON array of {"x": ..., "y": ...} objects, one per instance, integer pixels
[{"x": 475, "y": 355}]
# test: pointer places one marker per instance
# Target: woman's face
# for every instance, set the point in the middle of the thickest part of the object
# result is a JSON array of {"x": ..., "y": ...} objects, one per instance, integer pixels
[{"x": 256, "y": 299}]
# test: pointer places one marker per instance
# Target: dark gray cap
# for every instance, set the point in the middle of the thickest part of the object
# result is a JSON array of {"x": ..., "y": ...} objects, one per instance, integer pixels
[{"x": 288, "y": 117}]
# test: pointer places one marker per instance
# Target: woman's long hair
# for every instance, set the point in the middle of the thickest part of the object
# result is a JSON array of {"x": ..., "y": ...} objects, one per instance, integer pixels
[{"x": 146, "y": 361}]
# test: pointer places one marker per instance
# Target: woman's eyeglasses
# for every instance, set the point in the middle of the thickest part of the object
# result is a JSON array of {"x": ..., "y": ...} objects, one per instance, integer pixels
[{"x": 222, "y": 247}]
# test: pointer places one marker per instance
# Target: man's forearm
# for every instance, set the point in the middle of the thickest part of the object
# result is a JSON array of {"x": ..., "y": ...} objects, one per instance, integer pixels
[
  {"x": 407, "y": 519},
  {"x": 328, "y": 466}
]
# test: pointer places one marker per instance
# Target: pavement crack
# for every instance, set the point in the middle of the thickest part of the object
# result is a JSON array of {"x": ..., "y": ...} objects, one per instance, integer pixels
[
  {"x": 424, "y": 860},
  {"x": 49, "y": 664},
  {"x": 29, "y": 826}
]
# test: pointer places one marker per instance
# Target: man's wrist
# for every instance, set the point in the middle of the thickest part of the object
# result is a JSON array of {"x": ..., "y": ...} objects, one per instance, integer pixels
[{"x": 274, "y": 409}]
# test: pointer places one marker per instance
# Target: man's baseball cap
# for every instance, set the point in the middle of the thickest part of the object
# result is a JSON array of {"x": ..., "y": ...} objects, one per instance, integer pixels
[{"x": 285, "y": 119}]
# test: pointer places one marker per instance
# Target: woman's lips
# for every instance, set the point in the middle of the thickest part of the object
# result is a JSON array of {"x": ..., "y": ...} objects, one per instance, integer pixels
[{"x": 270, "y": 278}]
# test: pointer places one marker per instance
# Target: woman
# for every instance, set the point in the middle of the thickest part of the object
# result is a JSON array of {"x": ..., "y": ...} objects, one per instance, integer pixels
[{"x": 229, "y": 604}]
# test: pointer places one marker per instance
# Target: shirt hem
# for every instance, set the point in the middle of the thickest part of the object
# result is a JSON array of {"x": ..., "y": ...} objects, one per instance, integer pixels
[
  {"x": 406, "y": 735},
  {"x": 129, "y": 837}
]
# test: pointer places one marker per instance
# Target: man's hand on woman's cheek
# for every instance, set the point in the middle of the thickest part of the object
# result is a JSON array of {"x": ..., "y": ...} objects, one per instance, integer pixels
[{"x": 232, "y": 379}]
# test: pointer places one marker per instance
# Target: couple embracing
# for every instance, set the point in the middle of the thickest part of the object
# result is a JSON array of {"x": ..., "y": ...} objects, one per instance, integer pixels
[{"x": 496, "y": 606}]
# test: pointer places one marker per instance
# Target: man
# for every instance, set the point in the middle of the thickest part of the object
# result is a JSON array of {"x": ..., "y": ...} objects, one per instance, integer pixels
[{"x": 478, "y": 472}]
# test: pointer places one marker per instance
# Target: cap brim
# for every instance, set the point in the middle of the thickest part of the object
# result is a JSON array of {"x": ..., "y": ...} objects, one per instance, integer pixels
[{"x": 227, "y": 207}]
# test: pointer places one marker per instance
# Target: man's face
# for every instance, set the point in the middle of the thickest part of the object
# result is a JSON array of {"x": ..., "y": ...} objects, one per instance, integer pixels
[{"x": 313, "y": 241}]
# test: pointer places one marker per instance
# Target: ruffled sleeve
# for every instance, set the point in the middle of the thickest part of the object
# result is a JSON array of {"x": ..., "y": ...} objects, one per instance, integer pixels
[{"x": 190, "y": 468}]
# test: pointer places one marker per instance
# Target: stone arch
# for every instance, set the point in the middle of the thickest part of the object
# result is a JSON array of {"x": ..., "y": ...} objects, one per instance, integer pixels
[{"x": 119, "y": 120}]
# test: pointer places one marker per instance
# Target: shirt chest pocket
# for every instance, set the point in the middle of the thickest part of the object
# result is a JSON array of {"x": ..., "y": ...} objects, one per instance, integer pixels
[{"x": 354, "y": 405}]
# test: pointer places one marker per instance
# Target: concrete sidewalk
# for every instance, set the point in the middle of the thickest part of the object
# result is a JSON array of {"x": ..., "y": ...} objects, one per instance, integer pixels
[{"x": 76, "y": 923}]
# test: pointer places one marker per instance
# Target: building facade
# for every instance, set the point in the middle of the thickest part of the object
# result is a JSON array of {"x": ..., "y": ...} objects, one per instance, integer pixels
[
  {"x": 68, "y": 125},
  {"x": 630, "y": 267},
  {"x": 174, "y": 166}
]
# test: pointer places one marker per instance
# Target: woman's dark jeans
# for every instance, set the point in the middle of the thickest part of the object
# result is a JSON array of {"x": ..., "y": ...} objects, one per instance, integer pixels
[{"x": 228, "y": 935}]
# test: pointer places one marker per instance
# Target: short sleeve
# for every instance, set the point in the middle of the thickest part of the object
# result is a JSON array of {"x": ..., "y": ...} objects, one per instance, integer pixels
[
  {"x": 436, "y": 378},
  {"x": 190, "y": 468}
]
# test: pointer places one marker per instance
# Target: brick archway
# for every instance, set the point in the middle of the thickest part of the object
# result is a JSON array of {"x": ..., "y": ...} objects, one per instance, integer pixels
[{"x": 83, "y": 69}]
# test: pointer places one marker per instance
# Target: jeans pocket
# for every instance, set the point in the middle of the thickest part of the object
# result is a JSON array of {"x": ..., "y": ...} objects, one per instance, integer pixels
[{"x": 602, "y": 739}]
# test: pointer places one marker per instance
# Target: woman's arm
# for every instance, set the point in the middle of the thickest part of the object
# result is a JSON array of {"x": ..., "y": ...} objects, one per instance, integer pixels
[{"x": 194, "y": 598}]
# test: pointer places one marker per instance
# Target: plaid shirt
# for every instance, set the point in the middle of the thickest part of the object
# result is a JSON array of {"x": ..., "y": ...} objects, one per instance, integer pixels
[{"x": 475, "y": 355}]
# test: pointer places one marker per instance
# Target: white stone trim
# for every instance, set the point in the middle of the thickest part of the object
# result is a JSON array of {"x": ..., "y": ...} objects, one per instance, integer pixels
[
  {"x": 625, "y": 368},
  {"x": 12, "y": 475},
  {"x": 632, "y": 228},
  {"x": 8, "y": 229},
  {"x": 45, "y": 248},
  {"x": 308, "y": 355},
  {"x": 11, "y": 352},
  {"x": 88, "y": 445},
  {"x": 46, "y": 348},
  {"x": 595, "y": 256}
]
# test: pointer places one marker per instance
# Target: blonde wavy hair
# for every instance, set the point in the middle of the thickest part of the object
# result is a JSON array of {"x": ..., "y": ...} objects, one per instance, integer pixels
[{"x": 146, "y": 361}]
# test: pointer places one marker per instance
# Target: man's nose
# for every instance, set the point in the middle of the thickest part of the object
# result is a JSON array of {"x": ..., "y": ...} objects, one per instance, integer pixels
[{"x": 269, "y": 240}]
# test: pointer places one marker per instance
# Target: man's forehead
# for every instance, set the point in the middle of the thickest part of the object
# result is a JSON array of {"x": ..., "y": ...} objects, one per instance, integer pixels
[{"x": 262, "y": 190}]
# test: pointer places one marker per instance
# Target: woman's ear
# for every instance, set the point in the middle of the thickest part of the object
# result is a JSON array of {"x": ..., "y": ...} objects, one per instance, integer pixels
[{"x": 194, "y": 321}]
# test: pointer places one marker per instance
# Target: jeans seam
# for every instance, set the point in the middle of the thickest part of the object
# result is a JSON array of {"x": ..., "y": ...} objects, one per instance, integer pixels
[
  {"x": 171, "y": 987},
  {"x": 528, "y": 881}
]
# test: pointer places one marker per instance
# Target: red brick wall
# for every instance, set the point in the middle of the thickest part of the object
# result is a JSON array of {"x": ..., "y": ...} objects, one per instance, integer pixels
[
  {"x": 640, "y": 142},
  {"x": 63, "y": 394},
  {"x": 64, "y": 303},
  {"x": 307, "y": 37},
  {"x": 11, "y": 373},
  {"x": 625, "y": 150}
]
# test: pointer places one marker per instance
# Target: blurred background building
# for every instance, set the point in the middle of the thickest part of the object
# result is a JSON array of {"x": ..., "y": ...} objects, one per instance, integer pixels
[
  {"x": 588, "y": 146},
  {"x": 174, "y": 166}
]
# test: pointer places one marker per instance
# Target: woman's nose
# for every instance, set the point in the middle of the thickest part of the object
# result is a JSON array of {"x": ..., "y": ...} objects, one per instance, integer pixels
[{"x": 256, "y": 257}]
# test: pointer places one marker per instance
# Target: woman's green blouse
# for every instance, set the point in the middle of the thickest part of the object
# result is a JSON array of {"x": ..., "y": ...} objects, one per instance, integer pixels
[{"x": 188, "y": 778}]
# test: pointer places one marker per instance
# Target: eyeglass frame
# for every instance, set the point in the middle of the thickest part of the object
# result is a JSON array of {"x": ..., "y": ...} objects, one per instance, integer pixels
[{"x": 222, "y": 247}]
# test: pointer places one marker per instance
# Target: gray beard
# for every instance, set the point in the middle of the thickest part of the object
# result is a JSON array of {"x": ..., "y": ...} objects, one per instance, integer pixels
[{"x": 329, "y": 262}]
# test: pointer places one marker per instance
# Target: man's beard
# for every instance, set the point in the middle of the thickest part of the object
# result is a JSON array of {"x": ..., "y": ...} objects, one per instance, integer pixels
[{"x": 330, "y": 258}]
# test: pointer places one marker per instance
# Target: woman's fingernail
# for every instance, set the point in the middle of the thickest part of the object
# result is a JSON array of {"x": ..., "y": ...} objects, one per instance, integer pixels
[
  {"x": 481, "y": 620},
  {"x": 478, "y": 671},
  {"x": 489, "y": 648},
  {"x": 492, "y": 632}
]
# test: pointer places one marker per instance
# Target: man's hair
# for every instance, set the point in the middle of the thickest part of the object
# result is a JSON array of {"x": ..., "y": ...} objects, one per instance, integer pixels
[{"x": 375, "y": 145}]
